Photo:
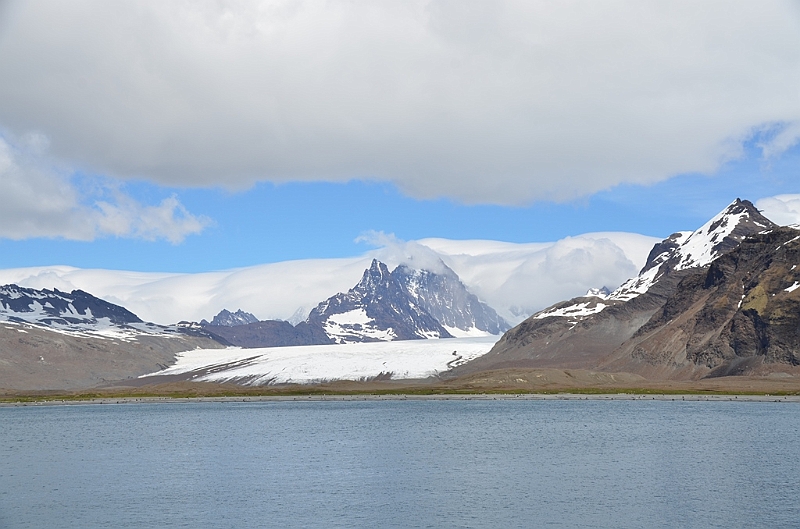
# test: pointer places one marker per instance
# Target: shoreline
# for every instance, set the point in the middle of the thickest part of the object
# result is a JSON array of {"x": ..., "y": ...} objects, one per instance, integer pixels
[{"x": 408, "y": 397}]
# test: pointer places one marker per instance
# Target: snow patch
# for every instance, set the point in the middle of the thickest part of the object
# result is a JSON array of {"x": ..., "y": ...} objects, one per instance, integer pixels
[
  {"x": 350, "y": 326},
  {"x": 579, "y": 309},
  {"x": 472, "y": 332}
]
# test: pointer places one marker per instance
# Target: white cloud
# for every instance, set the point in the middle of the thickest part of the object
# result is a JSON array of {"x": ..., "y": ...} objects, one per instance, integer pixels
[
  {"x": 515, "y": 279},
  {"x": 781, "y": 209},
  {"x": 38, "y": 200},
  {"x": 490, "y": 101}
]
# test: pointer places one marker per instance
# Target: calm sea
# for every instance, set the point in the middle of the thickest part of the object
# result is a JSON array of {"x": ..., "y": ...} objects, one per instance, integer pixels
[{"x": 402, "y": 464}]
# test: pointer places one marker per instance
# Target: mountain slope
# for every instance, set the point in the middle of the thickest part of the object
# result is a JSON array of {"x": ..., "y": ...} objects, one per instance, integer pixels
[
  {"x": 53, "y": 307},
  {"x": 585, "y": 332},
  {"x": 735, "y": 317},
  {"x": 444, "y": 296},
  {"x": 56, "y": 340}
]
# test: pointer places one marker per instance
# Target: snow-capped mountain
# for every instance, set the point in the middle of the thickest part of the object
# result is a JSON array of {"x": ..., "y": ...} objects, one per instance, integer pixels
[
  {"x": 404, "y": 304},
  {"x": 73, "y": 311},
  {"x": 444, "y": 296},
  {"x": 378, "y": 308},
  {"x": 79, "y": 313},
  {"x": 227, "y": 318},
  {"x": 712, "y": 299},
  {"x": 680, "y": 251}
]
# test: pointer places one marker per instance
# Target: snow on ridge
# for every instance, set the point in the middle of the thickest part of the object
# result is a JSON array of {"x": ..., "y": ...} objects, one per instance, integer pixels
[
  {"x": 585, "y": 308},
  {"x": 699, "y": 248},
  {"x": 406, "y": 359},
  {"x": 692, "y": 249}
]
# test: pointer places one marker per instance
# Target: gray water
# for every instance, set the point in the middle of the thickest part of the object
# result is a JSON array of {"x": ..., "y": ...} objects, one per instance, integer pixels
[{"x": 402, "y": 464}]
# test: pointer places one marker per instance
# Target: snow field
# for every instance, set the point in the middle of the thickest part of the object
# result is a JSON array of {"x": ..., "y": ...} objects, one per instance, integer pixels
[{"x": 406, "y": 359}]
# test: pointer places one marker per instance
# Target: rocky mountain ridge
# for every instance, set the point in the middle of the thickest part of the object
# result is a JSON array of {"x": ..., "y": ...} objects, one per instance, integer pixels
[
  {"x": 226, "y": 318},
  {"x": 404, "y": 304},
  {"x": 634, "y": 328}
]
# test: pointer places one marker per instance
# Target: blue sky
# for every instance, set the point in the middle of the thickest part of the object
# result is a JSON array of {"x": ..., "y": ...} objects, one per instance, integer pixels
[{"x": 206, "y": 136}]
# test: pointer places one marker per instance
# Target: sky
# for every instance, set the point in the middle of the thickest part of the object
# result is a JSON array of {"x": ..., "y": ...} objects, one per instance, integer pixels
[{"x": 199, "y": 136}]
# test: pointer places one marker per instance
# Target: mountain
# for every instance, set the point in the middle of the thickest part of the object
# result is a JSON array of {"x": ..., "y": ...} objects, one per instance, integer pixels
[
  {"x": 227, "y": 318},
  {"x": 378, "y": 308},
  {"x": 57, "y": 340},
  {"x": 404, "y": 304},
  {"x": 642, "y": 326},
  {"x": 740, "y": 315},
  {"x": 55, "y": 308}
]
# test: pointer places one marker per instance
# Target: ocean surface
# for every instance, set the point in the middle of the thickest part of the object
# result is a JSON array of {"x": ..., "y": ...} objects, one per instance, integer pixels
[{"x": 496, "y": 464}]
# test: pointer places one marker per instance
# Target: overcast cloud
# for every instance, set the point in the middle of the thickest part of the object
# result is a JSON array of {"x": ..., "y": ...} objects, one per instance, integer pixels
[
  {"x": 39, "y": 200},
  {"x": 502, "y": 102}
]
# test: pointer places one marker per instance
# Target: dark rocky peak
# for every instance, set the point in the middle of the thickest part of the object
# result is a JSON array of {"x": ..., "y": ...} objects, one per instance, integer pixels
[
  {"x": 376, "y": 279},
  {"x": 225, "y": 318},
  {"x": 720, "y": 235},
  {"x": 665, "y": 249},
  {"x": 377, "y": 308},
  {"x": 716, "y": 237},
  {"x": 53, "y": 306}
]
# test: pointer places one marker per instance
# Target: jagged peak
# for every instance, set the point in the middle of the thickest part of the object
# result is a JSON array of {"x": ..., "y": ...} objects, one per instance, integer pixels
[
  {"x": 375, "y": 274},
  {"x": 227, "y": 318},
  {"x": 720, "y": 234}
]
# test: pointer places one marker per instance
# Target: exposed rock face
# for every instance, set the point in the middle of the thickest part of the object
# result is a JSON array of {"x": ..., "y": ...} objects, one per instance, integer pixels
[
  {"x": 377, "y": 308},
  {"x": 226, "y": 318},
  {"x": 445, "y": 297},
  {"x": 732, "y": 318},
  {"x": 670, "y": 321}
]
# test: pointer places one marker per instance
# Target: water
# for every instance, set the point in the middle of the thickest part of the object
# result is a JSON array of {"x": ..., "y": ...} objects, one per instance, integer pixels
[{"x": 402, "y": 464}]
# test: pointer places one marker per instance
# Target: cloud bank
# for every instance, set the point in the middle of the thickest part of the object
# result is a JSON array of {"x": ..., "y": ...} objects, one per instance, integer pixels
[
  {"x": 515, "y": 279},
  {"x": 39, "y": 200},
  {"x": 781, "y": 209},
  {"x": 481, "y": 101}
]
